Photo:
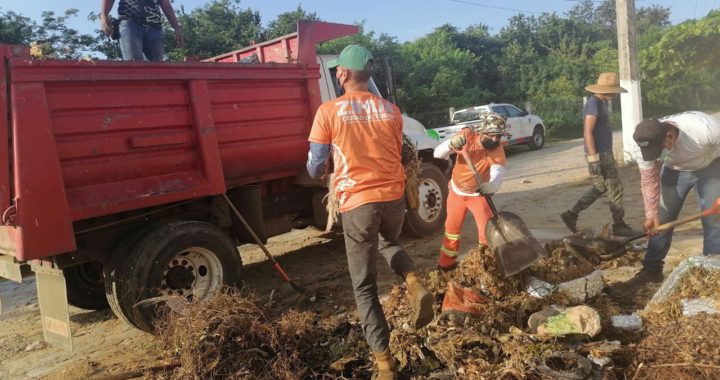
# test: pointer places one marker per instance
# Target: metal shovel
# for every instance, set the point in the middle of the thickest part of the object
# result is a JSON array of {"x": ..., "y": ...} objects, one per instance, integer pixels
[
  {"x": 515, "y": 246},
  {"x": 617, "y": 248}
]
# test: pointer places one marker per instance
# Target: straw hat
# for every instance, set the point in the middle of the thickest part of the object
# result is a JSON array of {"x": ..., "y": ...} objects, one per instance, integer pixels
[{"x": 607, "y": 83}]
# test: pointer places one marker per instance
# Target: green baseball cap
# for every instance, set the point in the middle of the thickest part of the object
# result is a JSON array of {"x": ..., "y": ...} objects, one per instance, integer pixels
[{"x": 353, "y": 57}]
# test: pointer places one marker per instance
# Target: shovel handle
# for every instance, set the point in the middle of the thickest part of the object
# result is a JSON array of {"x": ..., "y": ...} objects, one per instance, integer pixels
[
  {"x": 670, "y": 225},
  {"x": 478, "y": 179},
  {"x": 715, "y": 209}
]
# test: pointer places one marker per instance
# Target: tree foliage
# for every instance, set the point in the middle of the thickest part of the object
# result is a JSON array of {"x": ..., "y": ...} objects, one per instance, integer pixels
[
  {"x": 15, "y": 28},
  {"x": 545, "y": 60},
  {"x": 56, "y": 38},
  {"x": 218, "y": 27},
  {"x": 286, "y": 22},
  {"x": 680, "y": 67}
]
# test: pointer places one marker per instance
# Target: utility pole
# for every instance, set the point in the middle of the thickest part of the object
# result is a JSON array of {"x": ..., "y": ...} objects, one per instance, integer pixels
[{"x": 630, "y": 102}]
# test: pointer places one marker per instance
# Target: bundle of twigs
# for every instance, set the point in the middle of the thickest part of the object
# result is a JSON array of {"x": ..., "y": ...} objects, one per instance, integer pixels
[
  {"x": 411, "y": 161},
  {"x": 230, "y": 336}
]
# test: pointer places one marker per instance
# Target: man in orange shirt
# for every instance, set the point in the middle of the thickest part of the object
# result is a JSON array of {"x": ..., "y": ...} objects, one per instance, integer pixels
[
  {"x": 364, "y": 132},
  {"x": 481, "y": 144}
]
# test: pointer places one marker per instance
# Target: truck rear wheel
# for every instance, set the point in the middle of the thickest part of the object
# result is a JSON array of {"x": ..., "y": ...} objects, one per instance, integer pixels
[
  {"x": 430, "y": 215},
  {"x": 85, "y": 286},
  {"x": 174, "y": 263}
]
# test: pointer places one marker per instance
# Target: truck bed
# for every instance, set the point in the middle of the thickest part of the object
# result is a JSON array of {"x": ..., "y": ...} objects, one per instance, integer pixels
[{"x": 89, "y": 139}]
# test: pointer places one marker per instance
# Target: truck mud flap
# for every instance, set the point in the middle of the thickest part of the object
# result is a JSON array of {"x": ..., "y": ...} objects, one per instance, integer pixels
[
  {"x": 10, "y": 269},
  {"x": 52, "y": 296}
]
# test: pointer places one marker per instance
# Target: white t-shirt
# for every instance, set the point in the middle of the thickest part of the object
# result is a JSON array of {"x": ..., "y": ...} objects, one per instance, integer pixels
[{"x": 698, "y": 143}]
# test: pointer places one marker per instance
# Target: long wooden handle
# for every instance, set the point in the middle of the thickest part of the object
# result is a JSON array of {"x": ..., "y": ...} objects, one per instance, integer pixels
[
  {"x": 478, "y": 179},
  {"x": 470, "y": 165},
  {"x": 670, "y": 225},
  {"x": 249, "y": 229}
]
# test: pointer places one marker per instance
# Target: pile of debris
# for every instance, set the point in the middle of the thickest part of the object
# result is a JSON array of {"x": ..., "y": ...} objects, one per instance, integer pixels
[
  {"x": 682, "y": 337},
  {"x": 231, "y": 336},
  {"x": 487, "y": 327}
]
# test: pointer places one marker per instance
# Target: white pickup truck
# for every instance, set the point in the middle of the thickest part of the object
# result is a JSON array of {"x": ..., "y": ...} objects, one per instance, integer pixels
[{"x": 523, "y": 128}]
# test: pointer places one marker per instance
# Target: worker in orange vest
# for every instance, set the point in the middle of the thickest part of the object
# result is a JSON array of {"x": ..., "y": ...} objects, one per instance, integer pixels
[
  {"x": 481, "y": 144},
  {"x": 364, "y": 133}
]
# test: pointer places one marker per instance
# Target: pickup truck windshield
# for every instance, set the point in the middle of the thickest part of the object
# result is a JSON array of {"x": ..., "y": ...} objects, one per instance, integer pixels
[{"x": 461, "y": 117}]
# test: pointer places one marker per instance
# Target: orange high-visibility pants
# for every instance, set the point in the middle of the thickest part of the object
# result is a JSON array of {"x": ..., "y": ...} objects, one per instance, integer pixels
[{"x": 457, "y": 207}]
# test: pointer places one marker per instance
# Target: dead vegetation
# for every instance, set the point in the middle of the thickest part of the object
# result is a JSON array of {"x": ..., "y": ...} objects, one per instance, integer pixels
[
  {"x": 232, "y": 337},
  {"x": 677, "y": 346}
]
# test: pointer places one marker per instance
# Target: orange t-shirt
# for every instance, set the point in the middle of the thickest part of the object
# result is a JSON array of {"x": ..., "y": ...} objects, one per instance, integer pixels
[
  {"x": 366, "y": 136},
  {"x": 462, "y": 177}
]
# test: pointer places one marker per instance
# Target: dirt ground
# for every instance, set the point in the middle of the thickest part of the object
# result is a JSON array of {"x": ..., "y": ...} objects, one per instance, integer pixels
[{"x": 540, "y": 185}]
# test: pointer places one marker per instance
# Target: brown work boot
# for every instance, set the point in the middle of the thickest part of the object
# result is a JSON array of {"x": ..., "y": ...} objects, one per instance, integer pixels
[
  {"x": 421, "y": 301},
  {"x": 386, "y": 366},
  {"x": 570, "y": 219},
  {"x": 624, "y": 292}
]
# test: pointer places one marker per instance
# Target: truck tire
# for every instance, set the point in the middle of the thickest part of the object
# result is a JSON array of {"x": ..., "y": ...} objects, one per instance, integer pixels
[
  {"x": 116, "y": 266},
  {"x": 429, "y": 218},
  {"x": 86, "y": 286},
  {"x": 537, "y": 140},
  {"x": 179, "y": 262}
]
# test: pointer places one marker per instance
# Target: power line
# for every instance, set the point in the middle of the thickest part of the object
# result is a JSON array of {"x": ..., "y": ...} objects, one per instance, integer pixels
[{"x": 495, "y": 7}]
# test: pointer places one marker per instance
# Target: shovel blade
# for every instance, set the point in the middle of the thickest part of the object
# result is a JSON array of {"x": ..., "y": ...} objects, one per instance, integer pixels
[{"x": 515, "y": 246}]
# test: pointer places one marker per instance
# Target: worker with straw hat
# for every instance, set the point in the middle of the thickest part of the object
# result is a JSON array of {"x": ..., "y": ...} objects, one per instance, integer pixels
[{"x": 597, "y": 134}]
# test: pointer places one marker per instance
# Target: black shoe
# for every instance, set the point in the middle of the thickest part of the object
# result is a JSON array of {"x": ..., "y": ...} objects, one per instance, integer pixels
[
  {"x": 622, "y": 229},
  {"x": 447, "y": 269},
  {"x": 624, "y": 291},
  {"x": 570, "y": 218}
]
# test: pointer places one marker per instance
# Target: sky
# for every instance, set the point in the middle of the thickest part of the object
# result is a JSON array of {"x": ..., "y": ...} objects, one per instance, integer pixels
[{"x": 404, "y": 19}]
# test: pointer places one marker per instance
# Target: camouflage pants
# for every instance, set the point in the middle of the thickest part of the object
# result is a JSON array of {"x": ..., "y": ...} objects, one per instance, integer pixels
[{"x": 608, "y": 181}]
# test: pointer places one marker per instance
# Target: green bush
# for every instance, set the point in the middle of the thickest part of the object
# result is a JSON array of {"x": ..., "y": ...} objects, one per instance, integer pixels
[{"x": 562, "y": 116}]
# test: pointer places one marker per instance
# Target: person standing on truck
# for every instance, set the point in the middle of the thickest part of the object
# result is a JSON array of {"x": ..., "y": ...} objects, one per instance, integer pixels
[
  {"x": 364, "y": 133},
  {"x": 597, "y": 134},
  {"x": 679, "y": 153},
  {"x": 140, "y": 27},
  {"x": 481, "y": 144}
]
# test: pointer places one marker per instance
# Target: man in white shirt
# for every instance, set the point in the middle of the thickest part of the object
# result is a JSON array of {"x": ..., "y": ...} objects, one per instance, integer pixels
[{"x": 679, "y": 153}]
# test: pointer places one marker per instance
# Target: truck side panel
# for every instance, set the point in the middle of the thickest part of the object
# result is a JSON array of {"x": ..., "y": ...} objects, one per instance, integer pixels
[
  {"x": 109, "y": 137},
  {"x": 5, "y": 53}
]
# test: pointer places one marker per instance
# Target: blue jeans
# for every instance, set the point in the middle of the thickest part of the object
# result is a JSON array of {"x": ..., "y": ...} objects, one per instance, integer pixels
[
  {"x": 675, "y": 187},
  {"x": 139, "y": 41}
]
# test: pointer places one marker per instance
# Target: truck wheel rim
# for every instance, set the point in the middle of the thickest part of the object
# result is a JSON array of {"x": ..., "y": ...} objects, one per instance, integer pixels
[
  {"x": 430, "y": 200},
  {"x": 193, "y": 274}
]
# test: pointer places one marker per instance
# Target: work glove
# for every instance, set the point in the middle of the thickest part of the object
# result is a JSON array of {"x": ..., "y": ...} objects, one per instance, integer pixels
[
  {"x": 487, "y": 189},
  {"x": 457, "y": 142},
  {"x": 594, "y": 165}
]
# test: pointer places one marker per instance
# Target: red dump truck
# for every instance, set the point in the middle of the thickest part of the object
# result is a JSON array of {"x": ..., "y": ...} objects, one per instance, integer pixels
[{"x": 112, "y": 176}]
